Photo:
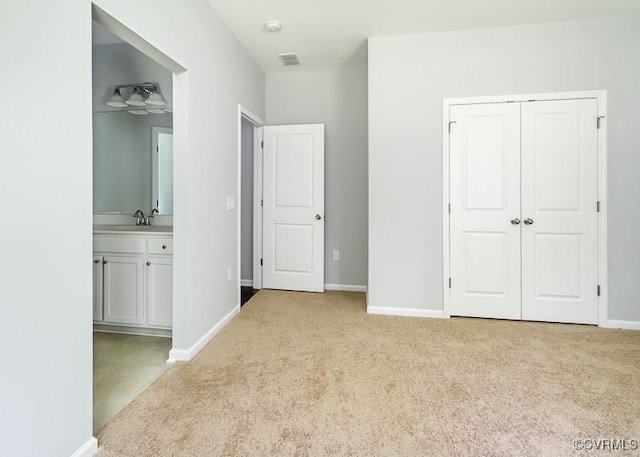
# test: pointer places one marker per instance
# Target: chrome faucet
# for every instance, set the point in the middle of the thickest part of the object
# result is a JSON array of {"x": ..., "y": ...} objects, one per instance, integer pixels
[{"x": 140, "y": 218}]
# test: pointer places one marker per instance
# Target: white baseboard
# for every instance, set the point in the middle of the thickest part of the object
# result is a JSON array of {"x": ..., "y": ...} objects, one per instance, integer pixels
[
  {"x": 345, "y": 287},
  {"x": 184, "y": 355},
  {"x": 408, "y": 312},
  {"x": 626, "y": 325},
  {"x": 342, "y": 287},
  {"x": 88, "y": 449}
]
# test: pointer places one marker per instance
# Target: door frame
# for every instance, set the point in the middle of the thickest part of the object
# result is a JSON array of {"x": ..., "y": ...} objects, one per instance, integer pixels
[
  {"x": 155, "y": 130},
  {"x": 258, "y": 124},
  {"x": 601, "y": 97}
]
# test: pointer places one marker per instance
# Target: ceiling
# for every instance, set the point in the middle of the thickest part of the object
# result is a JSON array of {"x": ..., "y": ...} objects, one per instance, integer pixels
[{"x": 325, "y": 33}]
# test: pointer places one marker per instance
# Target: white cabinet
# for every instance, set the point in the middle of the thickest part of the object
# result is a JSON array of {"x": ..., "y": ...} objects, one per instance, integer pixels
[
  {"x": 159, "y": 291},
  {"x": 133, "y": 281},
  {"x": 97, "y": 288},
  {"x": 123, "y": 287}
]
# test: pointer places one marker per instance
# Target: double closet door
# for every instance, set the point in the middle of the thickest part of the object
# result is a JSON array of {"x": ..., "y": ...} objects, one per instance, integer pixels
[{"x": 523, "y": 214}]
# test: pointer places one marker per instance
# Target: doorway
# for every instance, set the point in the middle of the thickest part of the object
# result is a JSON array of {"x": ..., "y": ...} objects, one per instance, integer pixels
[
  {"x": 250, "y": 129},
  {"x": 524, "y": 203},
  {"x": 133, "y": 263}
]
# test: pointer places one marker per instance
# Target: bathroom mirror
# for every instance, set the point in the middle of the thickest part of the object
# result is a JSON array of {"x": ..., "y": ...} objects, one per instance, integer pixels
[{"x": 132, "y": 163}]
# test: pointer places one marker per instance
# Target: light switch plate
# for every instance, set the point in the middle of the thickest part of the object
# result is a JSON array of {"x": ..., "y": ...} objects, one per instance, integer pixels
[{"x": 231, "y": 203}]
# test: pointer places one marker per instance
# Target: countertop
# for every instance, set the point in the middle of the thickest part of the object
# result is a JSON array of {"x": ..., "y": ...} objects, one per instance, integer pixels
[{"x": 134, "y": 229}]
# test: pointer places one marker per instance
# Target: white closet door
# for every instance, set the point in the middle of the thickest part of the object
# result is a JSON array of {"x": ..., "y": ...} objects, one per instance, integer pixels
[
  {"x": 485, "y": 210},
  {"x": 293, "y": 250},
  {"x": 559, "y": 182}
]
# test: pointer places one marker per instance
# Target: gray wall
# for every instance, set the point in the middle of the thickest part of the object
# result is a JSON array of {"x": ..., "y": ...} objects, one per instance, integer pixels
[
  {"x": 122, "y": 160},
  {"x": 339, "y": 100},
  {"x": 246, "y": 246},
  {"x": 121, "y": 63},
  {"x": 408, "y": 78}
]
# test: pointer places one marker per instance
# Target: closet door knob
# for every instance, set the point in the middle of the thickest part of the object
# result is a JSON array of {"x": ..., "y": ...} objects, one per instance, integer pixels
[
  {"x": 148, "y": 264},
  {"x": 515, "y": 221},
  {"x": 528, "y": 221},
  {"x": 318, "y": 217}
]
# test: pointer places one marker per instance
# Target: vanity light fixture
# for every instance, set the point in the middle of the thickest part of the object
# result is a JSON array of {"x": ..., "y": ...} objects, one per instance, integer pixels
[
  {"x": 141, "y": 95},
  {"x": 135, "y": 99},
  {"x": 155, "y": 98},
  {"x": 155, "y": 111},
  {"x": 117, "y": 100},
  {"x": 139, "y": 112}
]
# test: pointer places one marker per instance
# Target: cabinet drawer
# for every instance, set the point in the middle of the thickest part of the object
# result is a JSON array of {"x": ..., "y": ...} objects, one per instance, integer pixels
[
  {"x": 160, "y": 246},
  {"x": 118, "y": 243}
]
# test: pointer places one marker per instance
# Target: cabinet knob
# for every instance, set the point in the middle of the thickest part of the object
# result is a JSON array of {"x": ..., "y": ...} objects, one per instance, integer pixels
[
  {"x": 96, "y": 261},
  {"x": 104, "y": 262},
  {"x": 164, "y": 246},
  {"x": 148, "y": 264}
]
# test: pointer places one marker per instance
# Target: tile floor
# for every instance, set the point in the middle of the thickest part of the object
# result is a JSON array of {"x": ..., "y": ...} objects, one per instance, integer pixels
[{"x": 123, "y": 366}]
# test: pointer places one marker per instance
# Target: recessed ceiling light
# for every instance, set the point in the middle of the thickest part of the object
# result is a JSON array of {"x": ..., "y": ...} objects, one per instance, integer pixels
[{"x": 273, "y": 27}]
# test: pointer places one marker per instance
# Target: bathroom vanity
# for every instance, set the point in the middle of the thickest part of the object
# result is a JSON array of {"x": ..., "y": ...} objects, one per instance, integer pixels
[{"x": 133, "y": 279}]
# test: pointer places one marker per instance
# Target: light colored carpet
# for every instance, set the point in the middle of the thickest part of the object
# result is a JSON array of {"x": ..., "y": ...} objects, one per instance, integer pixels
[
  {"x": 123, "y": 365},
  {"x": 313, "y": 374}
]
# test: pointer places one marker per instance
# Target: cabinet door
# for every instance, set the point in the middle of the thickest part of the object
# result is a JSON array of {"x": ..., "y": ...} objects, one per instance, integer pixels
[
  {"x": 159, "y": 291},
  {"x": 123, "y": 289},
  {"x": 97, "y": 288}
]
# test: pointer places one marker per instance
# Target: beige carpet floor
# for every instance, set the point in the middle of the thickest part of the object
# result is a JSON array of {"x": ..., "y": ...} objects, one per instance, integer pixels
[{"x": 313, "y": 374}]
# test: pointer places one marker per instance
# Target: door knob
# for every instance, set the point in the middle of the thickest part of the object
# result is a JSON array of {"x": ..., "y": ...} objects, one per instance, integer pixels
[
  {"x": 515, "y": 221},
  {"x": 318, "y": 217},
  {"x": 148, "y": 264},
  {"x": 528, "y": 221}
]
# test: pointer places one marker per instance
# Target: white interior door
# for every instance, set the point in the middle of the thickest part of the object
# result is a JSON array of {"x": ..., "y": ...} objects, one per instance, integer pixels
[
  {"x": 293, "y": 207},
  {"x": 559, "y": 234},
  {"x": 485, "y": 210}
]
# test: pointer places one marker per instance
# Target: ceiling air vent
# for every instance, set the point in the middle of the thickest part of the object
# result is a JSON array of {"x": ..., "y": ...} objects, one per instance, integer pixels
[{"x": 289, "y": 58}]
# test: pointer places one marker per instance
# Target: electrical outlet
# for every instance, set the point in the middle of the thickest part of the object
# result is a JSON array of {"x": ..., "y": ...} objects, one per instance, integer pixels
[
  {"x": 231, "y": 203},
  {"x": 229, "y": 274},
  {"x": 336, "y": 255}
]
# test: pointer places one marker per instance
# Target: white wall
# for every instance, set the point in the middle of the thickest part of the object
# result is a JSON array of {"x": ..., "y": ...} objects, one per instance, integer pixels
[
  {"x": 45, "y": 258},
  {"x": 408, "y": 78},
  {"x": 205, "y": 99},
  {"x": 45, "y": 180},
  {"x": 337, "y": 98},
  {"x": 246, "y": 244}
]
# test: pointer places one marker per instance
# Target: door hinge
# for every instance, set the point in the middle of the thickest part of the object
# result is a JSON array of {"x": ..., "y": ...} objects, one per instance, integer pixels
[
  {"x": 261, "y": 202},
  {"x": 598, "y": 205},
  {"x": 260, "y": 262},
  {"x": 157, "y": 148},
  {"x": 449, "y": 208},
  {"x": 598, "y": 290},
  {"x": 449, "y": 283},
  {"x": 451, "y": 122},
  {"x": 262, "y": 145},
  {"x": 598, "y": 121}
]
